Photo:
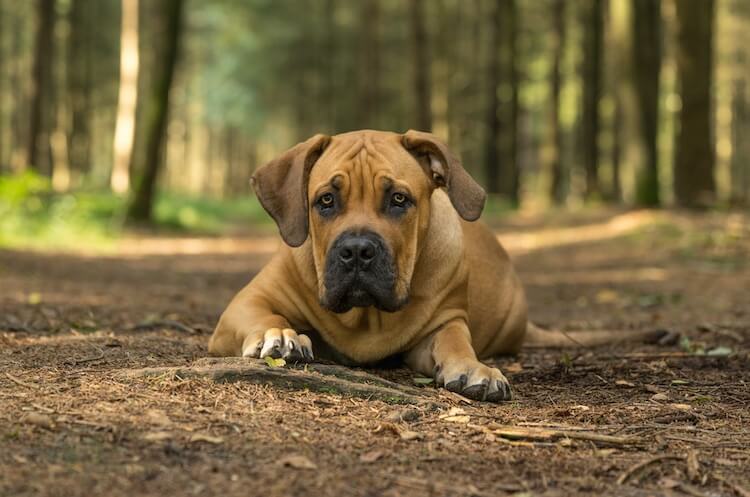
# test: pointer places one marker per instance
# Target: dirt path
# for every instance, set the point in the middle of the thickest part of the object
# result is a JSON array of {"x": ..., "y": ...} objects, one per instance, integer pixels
[{"x": 71, "y": 424}]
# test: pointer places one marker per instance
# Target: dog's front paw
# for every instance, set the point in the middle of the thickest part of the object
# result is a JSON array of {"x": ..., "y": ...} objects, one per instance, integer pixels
[
  {"x": 278, "y": 343},
  {"x": 473, "y": 380}
]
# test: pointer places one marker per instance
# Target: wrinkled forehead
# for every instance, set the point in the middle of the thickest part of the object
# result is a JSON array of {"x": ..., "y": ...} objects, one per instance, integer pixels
[{"x": 366, "y": 158}]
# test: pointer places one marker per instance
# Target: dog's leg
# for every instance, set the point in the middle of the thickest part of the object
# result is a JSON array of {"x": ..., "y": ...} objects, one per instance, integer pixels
[
  {"x": 255, "y": 332},
  {"x": 448, "y": 354}
]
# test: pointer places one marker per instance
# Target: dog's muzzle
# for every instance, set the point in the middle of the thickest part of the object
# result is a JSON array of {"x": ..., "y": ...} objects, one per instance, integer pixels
[{"x": 360, "y": 272}]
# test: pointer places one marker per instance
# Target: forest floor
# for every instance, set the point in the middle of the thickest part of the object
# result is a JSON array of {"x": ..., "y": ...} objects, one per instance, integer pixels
[{"x": 634, "y": 420}]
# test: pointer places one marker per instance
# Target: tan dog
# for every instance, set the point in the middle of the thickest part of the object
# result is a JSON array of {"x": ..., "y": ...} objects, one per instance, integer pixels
[{"x": 381, "y": 259}]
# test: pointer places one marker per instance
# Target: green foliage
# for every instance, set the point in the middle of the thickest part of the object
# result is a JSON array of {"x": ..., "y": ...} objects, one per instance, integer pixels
[{"x": 34, "y": 215}]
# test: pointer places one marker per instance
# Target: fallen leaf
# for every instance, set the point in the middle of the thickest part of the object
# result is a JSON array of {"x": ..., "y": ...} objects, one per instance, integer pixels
[
  {"x": 157, "y": 436},
  {"x": 720, "y": 351},
  {"x": 406, "y": 415},
  {"x": 410, "y": 435},
  {"x": 680, "y": 382},
  {"x": 202, "y": 437},
  {"x": 606, "y": 296},
  {"x": 624, "y": 383},
  {"x": 36, "y": 419},
  {"x": 652, "y": 388},
  {"x": 681, "y": 407},
  {"x": 420, "y": 380},
  {"x": 158, "y": 417},
  {"x": 297, "y": 462},
  {"x": 581, "y": 408},
  {"x": 35, "y": 298},
  {"x": 515, "y": 367},
  {"x": 275, "y": 363},
  {"x": 660, "y": 397},
  {"x": 371, "y": 456},
  {"x": 454, "y": 411}
]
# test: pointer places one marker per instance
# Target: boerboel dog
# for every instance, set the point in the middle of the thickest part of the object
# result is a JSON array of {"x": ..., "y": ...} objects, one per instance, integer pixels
[{"x": 383, "y": 258}]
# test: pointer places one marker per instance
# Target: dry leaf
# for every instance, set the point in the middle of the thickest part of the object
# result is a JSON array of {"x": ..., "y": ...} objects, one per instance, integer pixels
[
  {"x": 515, "y": 367},
  {"x": 371, "y": 456},
  {"x": 36, "y": 419},
  {"x": 681, "y": 407},
  {"x": 660, "y": 397},
  {"x": 157, "y": 436},
  {"x": 624, "y": 383},
  {"x": 607, "y": 296},
  {"x": 454, "y": 411},
  {"x": 158, "y": 417},
  {"x": 297, "y": 462},
  {"x": 410, "y": 435},
  {"x": 203, "y": 437}
]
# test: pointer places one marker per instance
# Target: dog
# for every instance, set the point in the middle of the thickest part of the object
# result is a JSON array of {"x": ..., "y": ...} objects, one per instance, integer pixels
[{"x": 384, "y": 257}]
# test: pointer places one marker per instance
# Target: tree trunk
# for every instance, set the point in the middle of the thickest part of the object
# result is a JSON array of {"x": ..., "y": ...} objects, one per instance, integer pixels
[
  {"x": 512, "y": 171},
  {"x": 38, "y": 156},
  {"x": 421, "y": 67},
  {"x": 646, "y": 29},
  {"x": 740, "y": 166},
  {"x": 694, "y": 184},
  {"x": 127, "y": 98},
  {"x": 370, "y": 65},
  {"x": 592, "y": 55},
  {"x": 557, "y": 187},
  {"x": 80, "y": 88},
  {"x": 156, "y": 109},
  {"x": 493, "y": 125}
]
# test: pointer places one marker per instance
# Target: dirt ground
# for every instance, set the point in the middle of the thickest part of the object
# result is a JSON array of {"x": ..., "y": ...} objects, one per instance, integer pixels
[{"x": 71, "y": 424}]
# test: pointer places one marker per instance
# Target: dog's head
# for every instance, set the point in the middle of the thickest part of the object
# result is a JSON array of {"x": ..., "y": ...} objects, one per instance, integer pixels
[{"x": 363, "y": 199}]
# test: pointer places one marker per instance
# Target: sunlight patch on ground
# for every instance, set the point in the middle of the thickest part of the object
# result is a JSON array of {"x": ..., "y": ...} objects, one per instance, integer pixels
[{"x": 622, "y": 224}]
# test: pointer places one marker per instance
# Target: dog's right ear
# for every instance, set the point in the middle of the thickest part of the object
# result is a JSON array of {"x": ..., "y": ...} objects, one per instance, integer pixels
[{"x": 281, "y": 187}]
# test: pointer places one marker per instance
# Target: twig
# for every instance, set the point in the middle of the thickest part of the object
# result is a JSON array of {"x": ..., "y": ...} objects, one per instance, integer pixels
[
  {"x": 630, "y": 471},
  {"x": 543, "y": 434},
  {"x": 739, "y": 490},
  {"x": 76, "y": 362},
  {"x": 19, "y": 382},
  {"x": 163, "y": 323}
]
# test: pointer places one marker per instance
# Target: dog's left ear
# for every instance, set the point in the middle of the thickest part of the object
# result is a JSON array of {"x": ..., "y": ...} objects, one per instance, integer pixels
[
  {"x": 281, "y": 187},
  {"x": 446, "y": 170}
]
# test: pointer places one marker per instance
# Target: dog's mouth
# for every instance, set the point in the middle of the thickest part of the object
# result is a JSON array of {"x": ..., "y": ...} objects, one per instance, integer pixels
[{"x": 360, "y": 272}]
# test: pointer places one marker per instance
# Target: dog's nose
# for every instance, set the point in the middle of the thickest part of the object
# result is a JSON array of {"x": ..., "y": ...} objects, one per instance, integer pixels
[{"x": 357, "y": 252}]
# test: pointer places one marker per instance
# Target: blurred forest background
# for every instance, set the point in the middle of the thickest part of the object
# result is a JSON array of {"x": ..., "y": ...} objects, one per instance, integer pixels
[{"x": 157, "y": 111}]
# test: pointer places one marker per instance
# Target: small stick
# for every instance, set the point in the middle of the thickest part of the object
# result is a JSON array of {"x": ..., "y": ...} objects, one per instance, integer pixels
[
  {"x": 630, "y": 471},
  {"x": 543, "y": 434},
  {"x": 163, "y": 323},
  {"x": 19, "y": 382}
]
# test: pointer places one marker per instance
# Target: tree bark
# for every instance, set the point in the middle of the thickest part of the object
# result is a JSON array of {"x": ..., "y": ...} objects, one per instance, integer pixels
[
  {"x": 740, "y": 165},
  {"x": 127, "y": 98},
  {"x": 512, "y": 176},
  {"x": 156, "y": 109},
  {"x": 557, "y": 186},
  {"x": 38, "y": 157},
  {"x": 493, "y": 125},
  {"x": 646, "y": 29},
  {"x": 370, "y": 65},
  {"x": 592, "y": 89},
  {"x": 421, "y": 67},
  {"x": 79, "y": 86},
  {"x": 694, "y": 185}
]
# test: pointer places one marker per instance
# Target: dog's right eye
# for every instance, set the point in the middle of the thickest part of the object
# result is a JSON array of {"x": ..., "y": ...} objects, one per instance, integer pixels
[{"x": 326, "y": 204}]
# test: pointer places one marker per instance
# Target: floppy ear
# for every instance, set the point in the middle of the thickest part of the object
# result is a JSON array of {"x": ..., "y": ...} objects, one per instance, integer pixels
[
  {"x": 446, "y": 170},
  {"x": 281, "y": 187}
]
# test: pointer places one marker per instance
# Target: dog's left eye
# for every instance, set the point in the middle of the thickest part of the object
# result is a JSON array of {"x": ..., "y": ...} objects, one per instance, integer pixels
[{"x": 398, "y": 199}]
